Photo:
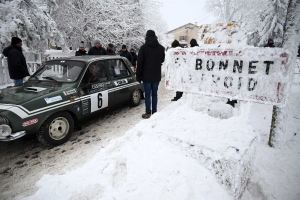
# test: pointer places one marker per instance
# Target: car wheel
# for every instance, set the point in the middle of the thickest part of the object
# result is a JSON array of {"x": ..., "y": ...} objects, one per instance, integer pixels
[
  {"x": 57, "y": 129},
  {"x": 135, "y": 98}
]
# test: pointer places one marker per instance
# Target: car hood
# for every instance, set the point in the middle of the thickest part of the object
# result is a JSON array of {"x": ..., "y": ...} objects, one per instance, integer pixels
[{"x": 19, "y": 95}]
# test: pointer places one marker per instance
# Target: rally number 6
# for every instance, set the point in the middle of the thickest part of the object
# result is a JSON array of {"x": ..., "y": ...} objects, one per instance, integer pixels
[{"x": 99, "y": 100}]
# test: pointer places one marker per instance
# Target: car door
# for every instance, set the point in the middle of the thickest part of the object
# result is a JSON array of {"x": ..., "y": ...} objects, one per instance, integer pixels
[
  {"x": 95, "y": 89},
  {"x": 122, "y": 79}
]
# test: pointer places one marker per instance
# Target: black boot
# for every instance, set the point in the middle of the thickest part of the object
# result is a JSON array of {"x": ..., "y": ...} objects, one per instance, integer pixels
[
  {"x": 178, "y": 96},
  {"x": 174, "y": 99}
]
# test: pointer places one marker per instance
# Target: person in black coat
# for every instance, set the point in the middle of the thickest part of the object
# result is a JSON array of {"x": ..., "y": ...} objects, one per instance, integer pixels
[
  {"x": 17, "y": 66},
  {"x": 81, "y": 51},
  {"x": 194, "y": 43},
  {"x": 150, "y": 58},
  {"x": 110, "y": 49},
  {"x": 125, "y": 53},
  {"x": 270, "y": 43},
  {"x": 97, "y": 49},
  {"x": 134, "y": 58}
]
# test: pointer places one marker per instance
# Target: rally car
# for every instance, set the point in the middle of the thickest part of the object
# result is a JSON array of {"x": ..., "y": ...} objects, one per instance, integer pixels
[{"x": 64, "y": 92}]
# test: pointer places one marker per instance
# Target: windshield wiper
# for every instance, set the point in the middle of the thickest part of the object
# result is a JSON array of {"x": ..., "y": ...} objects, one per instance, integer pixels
[
  {"x": 33, "y": 76},
  {"x": 51, "y": 78}
]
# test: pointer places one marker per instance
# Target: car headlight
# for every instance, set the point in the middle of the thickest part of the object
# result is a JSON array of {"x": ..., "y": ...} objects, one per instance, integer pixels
[
  {"x": 5, "y": 130},
  {"x": 3, "y": 120}
]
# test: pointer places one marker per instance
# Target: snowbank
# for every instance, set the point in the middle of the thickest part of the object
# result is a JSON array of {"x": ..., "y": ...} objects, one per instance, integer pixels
[{"x": 179, "y": 153}]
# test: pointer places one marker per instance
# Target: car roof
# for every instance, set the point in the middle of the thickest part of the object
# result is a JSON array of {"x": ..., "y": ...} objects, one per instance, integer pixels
[{"x": 88, "y": 58}]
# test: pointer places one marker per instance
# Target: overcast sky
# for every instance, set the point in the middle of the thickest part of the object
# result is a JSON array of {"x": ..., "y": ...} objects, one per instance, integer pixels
[{"x": 180, "y": 12}]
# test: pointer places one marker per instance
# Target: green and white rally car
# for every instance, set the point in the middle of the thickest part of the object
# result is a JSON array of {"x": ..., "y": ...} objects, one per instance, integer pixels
[{"x": 63, "y": 93}]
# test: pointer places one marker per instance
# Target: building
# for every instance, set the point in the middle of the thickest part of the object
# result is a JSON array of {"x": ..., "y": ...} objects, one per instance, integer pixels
[{"x": 185, "y": 33}]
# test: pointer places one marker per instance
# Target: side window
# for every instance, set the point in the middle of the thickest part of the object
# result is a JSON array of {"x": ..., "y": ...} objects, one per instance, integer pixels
[
  {"x": 96, "y": 73},
  {"x": 117, "y": 68}
]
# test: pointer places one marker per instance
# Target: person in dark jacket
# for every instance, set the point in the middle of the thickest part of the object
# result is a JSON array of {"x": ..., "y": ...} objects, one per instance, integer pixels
[
  {"x": 81, "y": 51},
  {"x": 270, "y": 43},
  {"x": 17, "y": 66},
  {"x": 110, "y": 49},
  {"x": 150, "y": 58},
  {"x": 97, "y": 49},
  {"x": 125, "y": 53},
  {"x": 194, "y": 43},
  {"x": 175, "y": 44},
  {"x": 134, "y": 58}
]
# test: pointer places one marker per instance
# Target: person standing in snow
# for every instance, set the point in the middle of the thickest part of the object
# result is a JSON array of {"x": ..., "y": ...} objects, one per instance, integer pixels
[
  {"x": 110, "y": 49},
  {"x": 81, "y": 51},
  {"x": 175, "y": 44},
  {"x": 125, "y": 53},
  {"x": 150, "y": 58},
  {"x": 193, "y": 43},
  {"x": 134, "y": 58},
  {"x": 270, "y": 43},
  {"x": 97, "y": 49},
  {"x": 17, "y": 66}
]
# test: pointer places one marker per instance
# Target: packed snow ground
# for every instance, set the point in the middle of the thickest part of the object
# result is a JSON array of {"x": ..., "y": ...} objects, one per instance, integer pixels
[{"x": 146, "y": 164}]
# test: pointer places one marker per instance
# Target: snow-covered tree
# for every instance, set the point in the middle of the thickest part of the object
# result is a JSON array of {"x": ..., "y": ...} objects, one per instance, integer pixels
[
  {"x": 226, "y": 10},
  {"x": 110, "y": 21},
  {"x": 273, "y": 21},
  {"x": 264, "y": 18},
  {"x": 153, "y": 19},
  {"x": 24, "y": 19}
]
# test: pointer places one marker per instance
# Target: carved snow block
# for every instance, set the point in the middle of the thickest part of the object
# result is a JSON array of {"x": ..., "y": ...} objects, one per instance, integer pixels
[
  {"x": 226, "y": 147},
  {"x": 220, "y": 110},
  {"x": 232, "y": 168}
]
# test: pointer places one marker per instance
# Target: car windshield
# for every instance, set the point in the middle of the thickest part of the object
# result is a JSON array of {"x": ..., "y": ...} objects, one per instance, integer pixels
[{"x": 59, "y": 71}]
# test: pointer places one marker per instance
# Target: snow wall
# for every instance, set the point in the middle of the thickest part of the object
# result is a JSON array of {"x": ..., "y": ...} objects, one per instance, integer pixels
[{"x": 249, "y": 74}]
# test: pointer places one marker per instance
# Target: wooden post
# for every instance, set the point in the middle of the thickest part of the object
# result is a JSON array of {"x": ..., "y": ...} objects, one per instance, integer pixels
[{"x": 279, "y": 118}]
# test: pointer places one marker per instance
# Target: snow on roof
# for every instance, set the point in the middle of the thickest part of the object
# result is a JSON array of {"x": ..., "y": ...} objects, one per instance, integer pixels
[{"x": 188, "y": 24}]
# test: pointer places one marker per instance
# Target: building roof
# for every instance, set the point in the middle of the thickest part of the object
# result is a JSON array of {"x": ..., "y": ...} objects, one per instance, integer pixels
[{"x": 181, "y": 27}]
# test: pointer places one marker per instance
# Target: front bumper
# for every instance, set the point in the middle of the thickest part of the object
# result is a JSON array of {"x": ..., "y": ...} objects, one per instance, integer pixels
[
  {"x": 13, "y": 136},
  {"x": 7, "y": 135}
]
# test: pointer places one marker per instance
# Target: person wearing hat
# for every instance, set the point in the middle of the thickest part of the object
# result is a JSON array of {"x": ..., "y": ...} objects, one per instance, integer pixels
[
  {"x": 125, "y": 53},
  {"x": 194, "y": 43},
  {"x": 110, "y": 49},
  {"x": 178, "y": 95},
  {"x": 134, "y": 58},
  {"x": 97, "y": 49},
  {"x": 17, "y": 66},
  {"x": 150, "y": 58},
  {"x": 81, "y": 51},
  {"x": 270, "y": 43}
]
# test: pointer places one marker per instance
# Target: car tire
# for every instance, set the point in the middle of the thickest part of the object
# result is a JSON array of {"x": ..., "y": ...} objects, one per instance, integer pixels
[
  {"x": 135, "y": 98},
  {"x": 56, "y": 130}
]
